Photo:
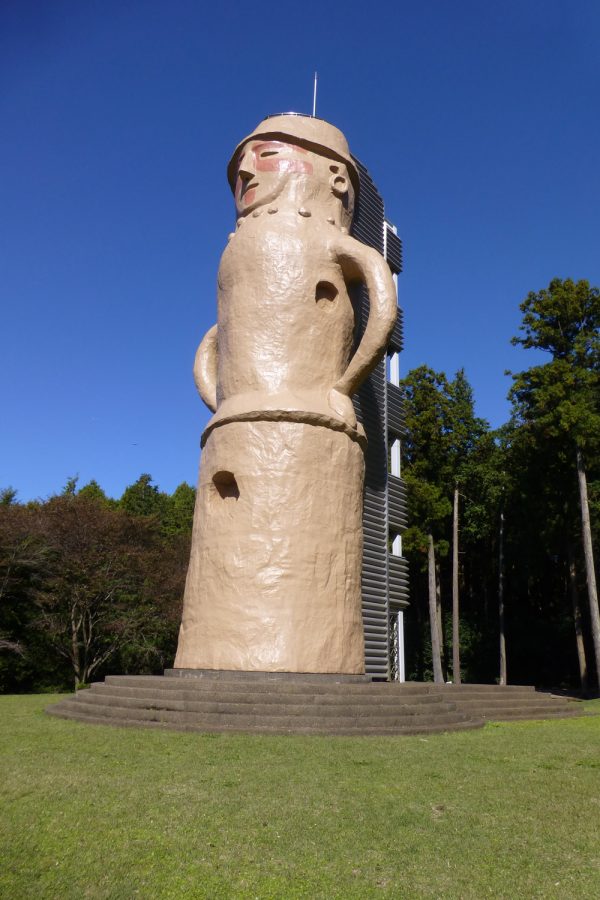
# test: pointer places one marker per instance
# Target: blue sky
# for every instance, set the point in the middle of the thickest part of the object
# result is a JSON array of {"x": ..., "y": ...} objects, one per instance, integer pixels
[{"x": 480, "y": 123}]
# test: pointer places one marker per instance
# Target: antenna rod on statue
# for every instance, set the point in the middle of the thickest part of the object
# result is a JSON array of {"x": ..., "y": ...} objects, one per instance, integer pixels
[{"x": 314, "y": 112}]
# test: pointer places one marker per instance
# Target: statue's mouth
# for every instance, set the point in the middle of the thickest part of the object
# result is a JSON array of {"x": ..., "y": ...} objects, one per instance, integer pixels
[
  {"x": 249, "y": 186},
  {"x": 248, "y": 194}
]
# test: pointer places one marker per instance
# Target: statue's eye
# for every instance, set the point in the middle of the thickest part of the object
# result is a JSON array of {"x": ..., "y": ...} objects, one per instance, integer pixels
[{"x": 268, "y": 153}]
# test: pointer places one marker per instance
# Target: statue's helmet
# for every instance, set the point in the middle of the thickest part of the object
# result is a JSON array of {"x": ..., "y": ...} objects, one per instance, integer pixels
[{"x": 307, "y": 131}]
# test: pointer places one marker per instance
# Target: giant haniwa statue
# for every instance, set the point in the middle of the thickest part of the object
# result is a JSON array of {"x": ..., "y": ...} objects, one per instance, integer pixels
[{"x": 274, "y": 577}]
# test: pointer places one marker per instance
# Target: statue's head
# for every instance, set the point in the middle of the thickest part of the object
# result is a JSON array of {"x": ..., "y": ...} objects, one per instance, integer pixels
[{"x": 294, "y": 159}]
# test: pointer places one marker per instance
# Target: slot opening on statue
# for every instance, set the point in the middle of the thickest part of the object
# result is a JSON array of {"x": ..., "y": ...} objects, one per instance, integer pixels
[
  {"x": 226, "y": 485},
  {"x": 326, "y": 295}
]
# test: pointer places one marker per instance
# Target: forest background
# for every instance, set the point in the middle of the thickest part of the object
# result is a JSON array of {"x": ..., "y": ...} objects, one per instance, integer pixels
[{"x": 499, "y": 542}]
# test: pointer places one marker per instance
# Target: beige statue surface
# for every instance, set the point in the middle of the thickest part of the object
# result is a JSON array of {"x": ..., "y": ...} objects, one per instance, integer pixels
[{"x": 274, "y": 576}]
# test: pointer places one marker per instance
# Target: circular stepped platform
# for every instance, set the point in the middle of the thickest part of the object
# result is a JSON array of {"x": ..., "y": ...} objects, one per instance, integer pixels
[
  {"x": 265, "y": 703},
  {"x": 286, "y": 703}
]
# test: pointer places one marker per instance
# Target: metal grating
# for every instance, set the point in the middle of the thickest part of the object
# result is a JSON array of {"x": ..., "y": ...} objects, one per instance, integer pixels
[
  {"x": 397, "y": 336},
  {"x": 393, "y": 250},
  {"x": 398, "y": 579},
  {"x": 369, "y": 403},
  {"x": 384, "y": 579},
  {"x": 395, "y": 410},
  {"x": 397, "y": 505}
]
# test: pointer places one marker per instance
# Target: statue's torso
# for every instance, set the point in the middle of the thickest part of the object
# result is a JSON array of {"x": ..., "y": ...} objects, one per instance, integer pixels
[{"x": 285, "y": 320}]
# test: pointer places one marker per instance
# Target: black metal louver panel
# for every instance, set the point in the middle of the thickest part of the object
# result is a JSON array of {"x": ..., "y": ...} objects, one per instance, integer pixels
[
  {"x": 379, "y": 408},
  {"x": 395, "y": 410},
  {"x": 398, "y": 580},
  {"x": 397, "y": 503},
  {"x": 369, "y": 403},
  {"x": 393, "y": 250},
  {"x": 397, "y": 336},
  {"x": 367, "y": 225}
]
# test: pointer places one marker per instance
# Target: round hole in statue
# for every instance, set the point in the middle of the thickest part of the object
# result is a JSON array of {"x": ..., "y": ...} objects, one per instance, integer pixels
[
  {"x": 226, "y": 485},
  {"x": 326, "y": 295}
]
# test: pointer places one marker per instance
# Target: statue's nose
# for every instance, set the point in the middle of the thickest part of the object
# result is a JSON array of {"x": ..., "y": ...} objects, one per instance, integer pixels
[{"x": 246, "y": 167}]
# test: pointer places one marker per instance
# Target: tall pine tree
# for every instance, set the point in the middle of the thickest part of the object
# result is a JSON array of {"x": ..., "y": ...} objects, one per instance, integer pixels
[{"x": 559, "y": 402}]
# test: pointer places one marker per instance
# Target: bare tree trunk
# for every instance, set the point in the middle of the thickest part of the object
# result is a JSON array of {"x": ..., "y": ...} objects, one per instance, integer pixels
[
  {"x": 589, "y": 560},
  {"x": 440, "y": 621},
  {"x": 503, "y": 676},
  {"x": 433, "y": 617},
  {"x": 577, "y": 620},
  {"x": 75, "y": 658},
  {"x": 455, "y": 598}
]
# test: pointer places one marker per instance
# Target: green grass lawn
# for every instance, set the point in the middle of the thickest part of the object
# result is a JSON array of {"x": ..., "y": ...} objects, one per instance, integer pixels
[{"x": 97, "y": 812}]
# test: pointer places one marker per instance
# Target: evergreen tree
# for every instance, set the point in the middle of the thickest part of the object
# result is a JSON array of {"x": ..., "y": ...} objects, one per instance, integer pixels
[
  {"x": 179, "y": 511},
  {"x": 442, "y": 460},
  {"x": 70, "y": 488},
  {"x": 142, "y": 498},
  {"x": 425, "y": 465},
  {"x": 93, "y": 491},
  {"x": 8, "y": 496},
  {"x": 485, "y": 484},
  {"x": 464, "y": 431},
  {"x": 558, "y": 404}
]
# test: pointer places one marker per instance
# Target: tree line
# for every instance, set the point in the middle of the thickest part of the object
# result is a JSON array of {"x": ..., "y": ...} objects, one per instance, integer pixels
[
  {"x": 503, "y": 523},
  {"x": 89, "y": 584},
  {"x": 503, "y": 526}
]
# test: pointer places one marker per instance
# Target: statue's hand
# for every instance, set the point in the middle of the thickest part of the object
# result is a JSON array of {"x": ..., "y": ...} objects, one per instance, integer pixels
[
  {"x": 367, "y": 265},
  {"x": 205, "y": 368},
  {"x": 342, "y": 406}
]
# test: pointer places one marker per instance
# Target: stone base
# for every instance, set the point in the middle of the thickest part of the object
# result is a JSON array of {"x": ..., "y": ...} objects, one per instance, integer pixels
[{"x": 298, "y": 677}]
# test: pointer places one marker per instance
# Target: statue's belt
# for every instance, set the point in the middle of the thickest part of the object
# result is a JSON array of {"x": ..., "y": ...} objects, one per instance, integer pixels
[{"x": 318, "y": 413}]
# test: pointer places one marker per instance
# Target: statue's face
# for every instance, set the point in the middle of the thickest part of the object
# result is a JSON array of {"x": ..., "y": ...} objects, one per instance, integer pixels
[{"x": 264, "y": 170}]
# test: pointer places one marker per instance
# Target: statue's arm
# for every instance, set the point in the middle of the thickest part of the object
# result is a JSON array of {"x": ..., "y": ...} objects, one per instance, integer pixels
[
  {"x": 205, "y": 368},
  {"x": 365, "y": 264}
]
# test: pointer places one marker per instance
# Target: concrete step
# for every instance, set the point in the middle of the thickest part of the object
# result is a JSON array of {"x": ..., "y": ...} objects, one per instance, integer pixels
[
  {"x": 500, "y": 715},
  {"x": 250, "y": 720},
  {"x": 212, "y": 676},
  {"x": 283, "y": 707},
  {"x": 529, "y": 714},
  {"x": 262, "y": 728},
  {"x": 208, "y": 685},
  {"x": 481, "y": 688},
  {"x": 255, "y": 676},
  {"x": 261, "y": 697},
  {"x": 305, "y": 686},
  {"x": 503, "y": 707},
  {"x": 486, "y": 696},
  {"x": 501, "y": 702}
]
